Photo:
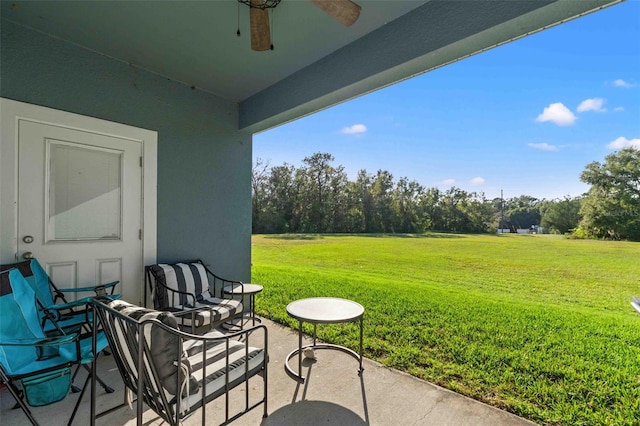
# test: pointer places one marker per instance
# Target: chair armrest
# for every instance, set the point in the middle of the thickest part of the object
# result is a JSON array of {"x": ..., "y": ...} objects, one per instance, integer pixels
[
  {"x": 223, "y": 284},
  {"x": 98, "y": 289},
  {"x": 190, "y": 311},
  {"x": 66, "y": 311},
  {"x": 70, "y": 305},
  {"x": 218, "y": 337},
  {"x": 48, "y": 341},
  {"x": 243, "y": 332},
  {"x": 232, "y": 285},
  {"x": 191, "y": 298}
]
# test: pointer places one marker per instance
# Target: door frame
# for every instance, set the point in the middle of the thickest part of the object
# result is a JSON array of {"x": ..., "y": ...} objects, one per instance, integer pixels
[{"x": 12, "y": 112}]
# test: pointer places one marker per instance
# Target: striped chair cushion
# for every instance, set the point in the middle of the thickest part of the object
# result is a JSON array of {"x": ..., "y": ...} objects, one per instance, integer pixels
[
  {"x": 191, "y": 278},
  {"x": 184, "y": 277},
  {"x": 221, "y": 309},
  {"x": 163, "y": 345},
  {"x": 240, "y": 357}
]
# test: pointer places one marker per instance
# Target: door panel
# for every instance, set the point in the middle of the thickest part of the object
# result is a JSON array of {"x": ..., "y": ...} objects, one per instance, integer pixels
[
  {"x": 79, "y": 198},
  {"x": 85, "y": 192}
]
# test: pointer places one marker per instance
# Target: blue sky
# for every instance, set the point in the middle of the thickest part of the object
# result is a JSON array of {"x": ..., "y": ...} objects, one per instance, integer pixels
[{"x": 525, "y": 117}]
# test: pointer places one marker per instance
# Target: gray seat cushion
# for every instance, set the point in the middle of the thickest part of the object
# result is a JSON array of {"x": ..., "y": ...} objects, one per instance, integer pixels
[{"x": 163, "y": 345}]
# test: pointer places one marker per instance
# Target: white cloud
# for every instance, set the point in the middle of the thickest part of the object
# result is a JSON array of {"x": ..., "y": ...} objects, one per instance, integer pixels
[
  {"x": 543, "y": 146},
  {"x": 448, "y": 182},
  {"x": 355, "y": 129},
  {"x": 618, "y": 109},
  {"x": 557, "y": 113},
  {"x": 593, "y": 104},
  {"x": 621, "y": 83},
  {"x": 623, "y": 142},
  {"x": 477, "y": 181}
]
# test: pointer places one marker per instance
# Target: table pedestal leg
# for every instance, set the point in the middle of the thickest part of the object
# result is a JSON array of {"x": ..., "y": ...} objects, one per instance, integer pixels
[
  {"x": 361, "y": 335},
  {"x": 300, "y": 349},
  {"x": 252, "y": 308}
]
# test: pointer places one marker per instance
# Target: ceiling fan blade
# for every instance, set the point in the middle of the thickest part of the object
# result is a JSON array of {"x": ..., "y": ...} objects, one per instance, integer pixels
[
  {"x": 344, "y": 11},
  {"x": 260, "y": 33}
]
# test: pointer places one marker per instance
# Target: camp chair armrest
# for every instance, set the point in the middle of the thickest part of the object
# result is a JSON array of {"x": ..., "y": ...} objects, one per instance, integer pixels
[
  {"x": 69, "y": 305},
  {"x": 98, "y": 289},
  {"x": 48, "y": 341}
]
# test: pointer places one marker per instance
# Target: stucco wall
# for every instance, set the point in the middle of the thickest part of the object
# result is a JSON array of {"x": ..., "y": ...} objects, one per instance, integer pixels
[{"x": 204, "y": 162}]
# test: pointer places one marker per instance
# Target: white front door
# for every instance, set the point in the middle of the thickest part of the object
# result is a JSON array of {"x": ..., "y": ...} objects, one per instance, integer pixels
[
  {"x": 79, "y": 205},
  {"x": 84, "y": 197}
]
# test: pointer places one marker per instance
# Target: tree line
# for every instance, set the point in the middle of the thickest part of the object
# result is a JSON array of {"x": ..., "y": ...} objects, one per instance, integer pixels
[{"x": 317, "y": 197}]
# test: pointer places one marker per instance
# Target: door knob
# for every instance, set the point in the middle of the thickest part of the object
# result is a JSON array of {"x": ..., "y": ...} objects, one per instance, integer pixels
[
  {"x": 28, "y": 239},
  {"x": 27, "y": 255}
]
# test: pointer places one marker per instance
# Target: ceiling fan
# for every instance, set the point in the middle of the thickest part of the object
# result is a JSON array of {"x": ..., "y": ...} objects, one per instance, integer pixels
[{"x": 344, "y": 11}]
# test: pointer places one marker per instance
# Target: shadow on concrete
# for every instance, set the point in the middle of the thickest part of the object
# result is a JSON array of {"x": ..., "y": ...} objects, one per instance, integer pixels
[
  {"x": 311, "y": 413},
  {"x": 317, "y": 412}
]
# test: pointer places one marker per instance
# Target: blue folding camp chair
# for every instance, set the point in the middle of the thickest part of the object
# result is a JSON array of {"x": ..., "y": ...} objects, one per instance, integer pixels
[
  {"x": 41, "y": 365},
  {"x": 56, "y": 312}
]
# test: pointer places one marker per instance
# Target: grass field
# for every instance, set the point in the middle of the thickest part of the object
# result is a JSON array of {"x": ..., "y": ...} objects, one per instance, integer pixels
[{"x": 538, "y": 325}]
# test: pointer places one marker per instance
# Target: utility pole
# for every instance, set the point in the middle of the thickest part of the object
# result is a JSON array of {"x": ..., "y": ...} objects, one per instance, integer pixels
[{"x": 501, "y": 211}]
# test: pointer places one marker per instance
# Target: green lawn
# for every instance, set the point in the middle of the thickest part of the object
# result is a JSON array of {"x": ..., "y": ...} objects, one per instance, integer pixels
[{"x": 537, "y": 325}]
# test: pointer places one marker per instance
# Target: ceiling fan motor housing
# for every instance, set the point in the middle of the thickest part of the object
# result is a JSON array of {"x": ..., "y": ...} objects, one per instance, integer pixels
[{"x": 261, "y": 4}]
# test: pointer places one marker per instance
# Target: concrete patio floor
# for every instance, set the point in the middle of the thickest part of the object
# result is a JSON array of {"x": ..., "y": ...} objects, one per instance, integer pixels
[{"x": 333, "y": 394}]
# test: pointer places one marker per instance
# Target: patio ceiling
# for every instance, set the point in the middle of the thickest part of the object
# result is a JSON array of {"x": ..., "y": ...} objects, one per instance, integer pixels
[{"x": 316, "y": 62}]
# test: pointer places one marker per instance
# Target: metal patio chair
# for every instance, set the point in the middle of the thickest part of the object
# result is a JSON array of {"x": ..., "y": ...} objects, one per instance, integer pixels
[
  {"x": 35, "y": 367},
  {"x": 175, "y": 373},
  {"x": 184, "y": 286}
]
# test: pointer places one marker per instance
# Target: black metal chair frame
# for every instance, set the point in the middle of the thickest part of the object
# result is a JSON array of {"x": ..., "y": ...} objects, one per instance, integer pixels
[
  {"x": 144, "y": 380},
  {"x": 216, "y": 282}
]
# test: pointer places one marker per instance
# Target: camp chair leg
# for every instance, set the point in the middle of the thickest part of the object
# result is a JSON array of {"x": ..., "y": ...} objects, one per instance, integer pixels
[
  {"x": 84, "y": 388},
  {"x": 75, "y": 409},
  {"x": 74, "y": 388},
  {"x": 106, "y": 387},
  {"x": 17, "y": 395},
  {"x": 14, "y": 396}
]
